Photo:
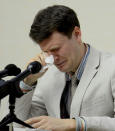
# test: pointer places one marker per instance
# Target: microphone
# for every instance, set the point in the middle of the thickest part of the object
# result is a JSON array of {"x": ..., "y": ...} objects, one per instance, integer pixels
[
  {"x": 12, "y": 86},
  {"x": 10, "y": 70},
  {"x": 32, "y": 68}
]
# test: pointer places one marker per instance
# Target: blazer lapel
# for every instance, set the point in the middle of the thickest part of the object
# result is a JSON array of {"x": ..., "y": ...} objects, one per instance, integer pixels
[{"x": 88, "y": 74}]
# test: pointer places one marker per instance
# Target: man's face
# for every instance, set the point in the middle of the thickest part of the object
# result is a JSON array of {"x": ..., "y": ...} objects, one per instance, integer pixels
[{"x": 66, "y": 51}]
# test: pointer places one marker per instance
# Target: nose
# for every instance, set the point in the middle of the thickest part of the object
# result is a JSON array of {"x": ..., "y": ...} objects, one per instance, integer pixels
[{"x": 55, "y": 56}]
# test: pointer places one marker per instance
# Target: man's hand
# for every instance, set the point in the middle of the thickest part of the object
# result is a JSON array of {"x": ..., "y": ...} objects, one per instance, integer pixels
[
  {"x": 52, "y": 124},
  {"x": 31, "y": 79}
]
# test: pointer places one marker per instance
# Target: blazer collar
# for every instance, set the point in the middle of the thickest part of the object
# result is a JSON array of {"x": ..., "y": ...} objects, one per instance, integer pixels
[{"x": 89, "y": 73}]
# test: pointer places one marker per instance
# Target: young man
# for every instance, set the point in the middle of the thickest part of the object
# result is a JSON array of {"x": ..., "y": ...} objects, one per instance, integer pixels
[{"x": 78, "y": 92}]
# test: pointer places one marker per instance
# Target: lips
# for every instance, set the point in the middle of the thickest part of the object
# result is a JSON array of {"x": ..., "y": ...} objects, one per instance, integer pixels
[{"x": 60, "y": 64}]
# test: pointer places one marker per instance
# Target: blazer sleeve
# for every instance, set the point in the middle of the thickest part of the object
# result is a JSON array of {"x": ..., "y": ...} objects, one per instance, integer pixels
[
  {"x": 29, "y": 105},
  {"x": 103, "y": 123}
]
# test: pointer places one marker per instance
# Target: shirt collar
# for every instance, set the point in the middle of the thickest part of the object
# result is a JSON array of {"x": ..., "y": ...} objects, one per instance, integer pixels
[{"x": 81, "y": 67}]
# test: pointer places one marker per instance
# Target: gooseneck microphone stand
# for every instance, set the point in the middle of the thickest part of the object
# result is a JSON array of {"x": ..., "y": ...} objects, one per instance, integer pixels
[{"x": 14, "y": 91}]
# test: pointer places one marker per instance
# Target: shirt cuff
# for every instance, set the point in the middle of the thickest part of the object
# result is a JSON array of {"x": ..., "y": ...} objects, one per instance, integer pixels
[{"x": 24, "y": 86}]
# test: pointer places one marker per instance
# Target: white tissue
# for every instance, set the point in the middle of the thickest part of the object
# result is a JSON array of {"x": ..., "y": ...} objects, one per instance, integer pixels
[{"x": 49, "y": 60}]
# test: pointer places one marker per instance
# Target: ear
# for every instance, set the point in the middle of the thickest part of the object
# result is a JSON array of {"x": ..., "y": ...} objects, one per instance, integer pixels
[{"x": 77, "y": 31}]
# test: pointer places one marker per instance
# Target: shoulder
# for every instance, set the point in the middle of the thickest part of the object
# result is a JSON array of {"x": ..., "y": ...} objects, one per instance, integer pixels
[
  {"x": 108, "y": 59},
  {"x": 105, "y": 58}
]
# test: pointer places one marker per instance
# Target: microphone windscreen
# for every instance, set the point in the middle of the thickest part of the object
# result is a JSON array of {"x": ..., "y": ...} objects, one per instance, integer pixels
[
  {"x": 12, "y": 70},
  {"x": 35, "y": 67}
]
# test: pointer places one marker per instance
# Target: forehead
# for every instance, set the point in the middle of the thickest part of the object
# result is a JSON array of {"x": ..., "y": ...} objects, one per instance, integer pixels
[{"x": 54, "y": 41}]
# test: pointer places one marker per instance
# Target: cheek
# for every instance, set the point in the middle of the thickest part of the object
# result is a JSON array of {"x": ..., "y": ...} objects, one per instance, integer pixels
[
  {"x": 71, "y": 58},
  {"x": 66, "y": 52}
]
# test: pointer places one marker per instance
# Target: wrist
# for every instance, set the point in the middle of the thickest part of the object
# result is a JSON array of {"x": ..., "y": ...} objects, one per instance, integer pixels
[
  {"x": 25, "y": 87},
  {"x": 71, "y": 124}
]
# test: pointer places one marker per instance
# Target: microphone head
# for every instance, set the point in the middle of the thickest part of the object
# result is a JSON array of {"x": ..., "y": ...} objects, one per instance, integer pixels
[
  {"x": 34, "y": 67},
  {"x": 12, "y": 70}
]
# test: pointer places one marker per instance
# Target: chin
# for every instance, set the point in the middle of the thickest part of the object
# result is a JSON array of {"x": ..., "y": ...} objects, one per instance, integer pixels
[
  {"x": 60, "y": 69},
  {"x": 63, "y": 70}
]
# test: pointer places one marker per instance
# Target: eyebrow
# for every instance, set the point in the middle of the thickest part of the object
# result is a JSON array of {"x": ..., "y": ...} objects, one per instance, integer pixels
[{"x": 54, "y": 47}]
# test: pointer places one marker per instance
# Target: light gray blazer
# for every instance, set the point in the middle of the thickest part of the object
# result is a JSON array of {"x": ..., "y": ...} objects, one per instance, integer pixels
[{"x": 93, "y": 99}]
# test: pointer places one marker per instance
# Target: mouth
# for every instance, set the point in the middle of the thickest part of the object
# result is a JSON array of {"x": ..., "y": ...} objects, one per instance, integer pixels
[{"x": 60, "y": 64}]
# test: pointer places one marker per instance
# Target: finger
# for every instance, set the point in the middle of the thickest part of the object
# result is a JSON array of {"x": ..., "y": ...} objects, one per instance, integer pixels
[
  {"x": 32, "y": 120},
  {"x": 42, "y": 59},
  {"x": 36, "y": 58},
  {"x": 39, "y": 124},
  {"x": 44, "y": 127}
]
